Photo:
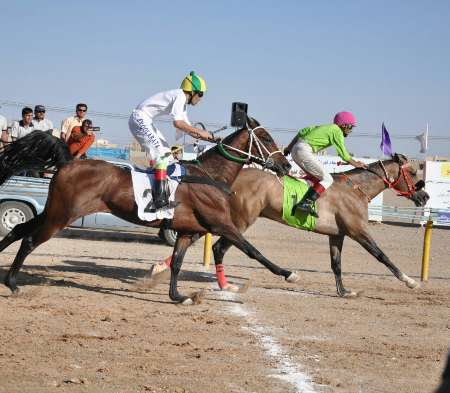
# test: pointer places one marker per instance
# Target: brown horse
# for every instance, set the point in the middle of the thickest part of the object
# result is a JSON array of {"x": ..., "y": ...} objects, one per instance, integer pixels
[
  {"x": 83, "y": 187},
  {"x": 343, "y": 209}
]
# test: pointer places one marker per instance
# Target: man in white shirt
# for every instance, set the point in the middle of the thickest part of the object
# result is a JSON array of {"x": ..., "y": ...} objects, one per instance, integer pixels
[
  {"x": 172, "y": 103},
  {"x": 39, "y": 120},
  {"x": 4, "y": 129},
  {"x": 23, "y": 127}
]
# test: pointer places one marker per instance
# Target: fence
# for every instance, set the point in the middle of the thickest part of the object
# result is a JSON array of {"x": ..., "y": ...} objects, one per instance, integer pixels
[{"x": 412, "y": 215}]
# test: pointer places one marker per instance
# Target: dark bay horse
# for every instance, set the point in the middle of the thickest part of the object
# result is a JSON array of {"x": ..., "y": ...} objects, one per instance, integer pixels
[
  {"x": 343, "y": 209},
  {"x": 82, "y": 187}
]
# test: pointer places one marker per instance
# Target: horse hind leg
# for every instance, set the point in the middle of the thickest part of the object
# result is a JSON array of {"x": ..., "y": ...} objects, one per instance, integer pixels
[
  {"x": 20, "y": 231},
  {"x": 235, "y": 238},
  {"x": 39, "y": 235}
]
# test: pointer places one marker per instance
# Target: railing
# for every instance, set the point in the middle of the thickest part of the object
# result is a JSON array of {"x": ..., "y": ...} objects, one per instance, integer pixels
[{"x": 416, "y": 215}]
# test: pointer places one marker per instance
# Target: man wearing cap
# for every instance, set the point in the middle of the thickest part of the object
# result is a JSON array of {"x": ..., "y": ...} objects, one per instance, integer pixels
[
  {"x": 39, "y": 120},
  {"x": 73, "y": 121},
  {"x": 174, "y": 104},
  {"x": 4, "y": 129}
]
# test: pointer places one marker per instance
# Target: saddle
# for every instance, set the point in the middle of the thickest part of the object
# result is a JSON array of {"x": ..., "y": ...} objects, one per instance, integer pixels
[{"x": 178, "y": 171}]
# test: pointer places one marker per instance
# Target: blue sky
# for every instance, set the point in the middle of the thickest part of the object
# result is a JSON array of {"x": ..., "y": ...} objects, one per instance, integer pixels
[{"x": 295, "y": 63}]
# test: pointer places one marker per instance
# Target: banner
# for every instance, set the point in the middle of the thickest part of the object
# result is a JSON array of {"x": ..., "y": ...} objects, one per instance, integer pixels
[{"x": 437, "y": 185}]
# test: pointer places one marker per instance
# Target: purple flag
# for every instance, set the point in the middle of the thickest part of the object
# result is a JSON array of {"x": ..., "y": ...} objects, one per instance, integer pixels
[{"x": 385, "y": 145}]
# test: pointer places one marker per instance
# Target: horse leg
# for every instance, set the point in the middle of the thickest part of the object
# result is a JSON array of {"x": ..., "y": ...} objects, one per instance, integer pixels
[
  {"x": 369, "y": 244},
  {"x": 336, "y": 243},
  {"x": 220, "y": 247},
  {"x": 19, "y": 232},
  {"x": 237, "y": 240},
  {"x": 39, "y": 235},
  {"x": 179, "y": 250}
]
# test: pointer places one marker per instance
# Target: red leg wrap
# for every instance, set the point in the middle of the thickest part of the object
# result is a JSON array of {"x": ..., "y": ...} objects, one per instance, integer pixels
[
  {"x": 220, "y": 275},
  {"x": 168, "y": 261}
]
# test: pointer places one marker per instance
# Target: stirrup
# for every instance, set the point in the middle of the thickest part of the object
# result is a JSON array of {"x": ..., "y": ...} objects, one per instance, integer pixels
[
  {"x": 168, "y": 205},
  {"x": 304, "y": 208}
]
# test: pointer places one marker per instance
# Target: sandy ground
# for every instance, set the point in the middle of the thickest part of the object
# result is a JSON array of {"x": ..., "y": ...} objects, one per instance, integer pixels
[{"x": 81, "y": 324}]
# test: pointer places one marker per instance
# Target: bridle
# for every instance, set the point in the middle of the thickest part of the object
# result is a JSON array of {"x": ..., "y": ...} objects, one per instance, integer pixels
[
  {"x": 402, "y": 172},
  {"x": 265, "y": 156},
  {"x": 388, "y": 181}
]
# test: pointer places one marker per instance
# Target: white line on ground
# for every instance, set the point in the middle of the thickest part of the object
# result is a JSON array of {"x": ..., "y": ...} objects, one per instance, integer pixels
[{"x": 286, "y": 369}]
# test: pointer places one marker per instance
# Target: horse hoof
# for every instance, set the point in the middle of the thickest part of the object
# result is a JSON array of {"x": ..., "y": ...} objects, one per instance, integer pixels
[
  {"x": 350, "y": 294},
  {"x": 156, "y": 269},
  {"x": 410, "y": 283},
  {"x": 187, "y": 302},
  {"x": 231, "y": 288},
  {"x": 15, "y": 292},
  {"x": 293, "y": 277}
]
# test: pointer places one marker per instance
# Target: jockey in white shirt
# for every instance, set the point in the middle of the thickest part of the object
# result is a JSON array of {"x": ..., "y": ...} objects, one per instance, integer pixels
[{"x": 172, "y": 103}]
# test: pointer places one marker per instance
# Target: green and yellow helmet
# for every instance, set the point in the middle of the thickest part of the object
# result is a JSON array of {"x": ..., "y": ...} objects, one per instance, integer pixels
[{"x": 193, "y": 83}]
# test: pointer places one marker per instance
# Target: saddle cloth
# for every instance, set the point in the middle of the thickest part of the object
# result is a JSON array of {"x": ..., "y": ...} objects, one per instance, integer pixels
[
  {"x": 294, "y": 190},
  {"x": 142, "y": 186}
]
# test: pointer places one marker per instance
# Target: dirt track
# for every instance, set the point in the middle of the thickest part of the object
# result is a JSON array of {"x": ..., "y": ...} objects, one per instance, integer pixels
[{"x": 80, "y": 324}]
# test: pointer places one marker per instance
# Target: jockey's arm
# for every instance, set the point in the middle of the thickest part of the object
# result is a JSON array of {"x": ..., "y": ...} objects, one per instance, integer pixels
[
  {"x": 356, "y": 164},
  {"x": 197, "y": 133}
]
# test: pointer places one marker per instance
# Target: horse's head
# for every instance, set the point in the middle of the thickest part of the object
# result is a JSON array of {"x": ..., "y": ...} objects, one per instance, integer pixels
[
  {"x": 408, "y": 184},
  {"x": 264, "y": 150}
]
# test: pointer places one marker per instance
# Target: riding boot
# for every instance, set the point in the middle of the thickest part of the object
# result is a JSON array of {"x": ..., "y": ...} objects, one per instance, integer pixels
[
  {"x": 305, "y": 205},
  {"x": 160, "y": 193}
]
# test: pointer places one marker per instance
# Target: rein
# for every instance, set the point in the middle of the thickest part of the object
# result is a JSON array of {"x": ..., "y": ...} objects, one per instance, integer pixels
[
  {"x": 388, "y": 181},
  {"x": 264, "y": 154}
]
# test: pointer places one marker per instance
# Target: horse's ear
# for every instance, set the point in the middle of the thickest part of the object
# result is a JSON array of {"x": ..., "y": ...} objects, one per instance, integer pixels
[
  {"x": 252, "y": 123},
  {"x": 400, "y": 158}
]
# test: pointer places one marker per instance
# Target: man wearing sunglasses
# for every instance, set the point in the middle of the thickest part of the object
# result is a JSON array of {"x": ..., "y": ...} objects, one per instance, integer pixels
[
  {"x": 39, "y": 120},
  {"x": 171, "y": 103},
  {"x": 74, "y": 121},
  {"x": 311, "y": 140}
]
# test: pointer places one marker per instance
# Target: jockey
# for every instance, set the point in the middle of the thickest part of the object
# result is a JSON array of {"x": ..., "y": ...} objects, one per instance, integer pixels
[
  {"x": 313, "y": 139},
  {"x": 172, "y": 103}
]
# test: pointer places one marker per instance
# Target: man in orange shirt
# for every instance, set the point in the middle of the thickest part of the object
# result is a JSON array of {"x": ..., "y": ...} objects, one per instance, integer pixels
[{"x": 81, "y": 139}]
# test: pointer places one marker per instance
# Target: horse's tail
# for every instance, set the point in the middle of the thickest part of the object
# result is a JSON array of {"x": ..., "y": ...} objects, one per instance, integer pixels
[{"x": 38, "y": 150}]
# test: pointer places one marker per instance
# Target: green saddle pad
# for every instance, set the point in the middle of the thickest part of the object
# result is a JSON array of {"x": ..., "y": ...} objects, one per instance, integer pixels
[{"x": 293, "y": 192}]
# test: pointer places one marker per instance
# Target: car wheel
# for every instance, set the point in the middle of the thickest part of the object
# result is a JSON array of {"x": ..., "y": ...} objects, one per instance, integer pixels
[
  {"x": 169, "y": 236},
  {"x": 13, "y": 213}
]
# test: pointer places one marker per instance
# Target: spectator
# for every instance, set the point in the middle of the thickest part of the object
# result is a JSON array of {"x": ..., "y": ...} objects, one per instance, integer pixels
[
  {"x": 39, "y": 120},
  {"x": 81, "y": 139},
  {"x": 74, "y": 121},
  {"x": 177, "y": 152},
  {"x": 23, "y": 127},
  {"x": 4, "y": 129}
]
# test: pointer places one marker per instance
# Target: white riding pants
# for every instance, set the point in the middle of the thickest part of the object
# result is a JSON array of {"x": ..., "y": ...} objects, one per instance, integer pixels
[
  {"x": 148, "y": 136},
  {"x": 304, "y": 157}
]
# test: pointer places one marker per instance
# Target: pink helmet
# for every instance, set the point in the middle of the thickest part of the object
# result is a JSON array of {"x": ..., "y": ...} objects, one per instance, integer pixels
[{"x": 343, "y": 118}]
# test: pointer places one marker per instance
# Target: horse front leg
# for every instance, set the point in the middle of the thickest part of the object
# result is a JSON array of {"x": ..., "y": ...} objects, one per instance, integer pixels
[
  {"x": 220, "y": 247},
  {"x": 336, "y": 243},
  {"x": 182, "y": 244},
  {"x": 369, "y": 244}
]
